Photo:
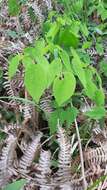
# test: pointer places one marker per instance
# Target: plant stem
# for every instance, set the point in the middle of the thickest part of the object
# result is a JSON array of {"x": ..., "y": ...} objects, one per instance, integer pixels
[{"x": 81, "y": 156}]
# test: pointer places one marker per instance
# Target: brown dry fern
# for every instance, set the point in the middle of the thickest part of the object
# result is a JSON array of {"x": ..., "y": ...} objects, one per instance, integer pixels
[
  {"x": 7, "y": 159},
  {"x": 29, "y": 155}
]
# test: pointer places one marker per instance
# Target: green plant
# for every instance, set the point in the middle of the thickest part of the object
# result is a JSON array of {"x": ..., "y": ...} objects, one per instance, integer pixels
[{"x": 53, "y": 63}]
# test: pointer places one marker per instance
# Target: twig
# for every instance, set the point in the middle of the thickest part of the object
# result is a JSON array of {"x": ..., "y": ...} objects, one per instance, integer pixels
[{"x": 81, "y": 156}]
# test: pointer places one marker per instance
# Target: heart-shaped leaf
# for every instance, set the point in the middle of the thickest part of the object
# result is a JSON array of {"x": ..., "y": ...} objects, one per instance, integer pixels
[
  {"x": 35, "y": 81},
  {"x": 54, "y": 69},
  {"x": 64, "y": 87}
]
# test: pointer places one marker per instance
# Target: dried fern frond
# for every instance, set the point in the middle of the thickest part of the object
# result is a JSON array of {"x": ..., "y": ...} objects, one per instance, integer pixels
[
  {"x": 25, "y": 18},
  {"x": 11, "y": 128},
  {"x": 29, "y": 155},
  {"x": 7, "y": 159},
  {"x": 13, "y": 86},
  {"x": 43, "y": 176},
  {"x": 69, "y": 186},
  {"x": 66, "y": 186},
  {"x": 36, "y": 10},
  {"x": 99, "y": 135},
  {"x": 18, "y": 80},
  {"x": 8, "y": 47},
  {"x": 30, "y": 114},
  {"x": 9, "y": 88},
  {"x": 30, "y": 185},
  {"x": 64, "y": 161},
  {"x": 48, "y": 4},
  {"x": 77, "y": 187},
  {"x": 92, "y": 52},
  {"x": 96, "y": 156},
  {"x": 8, "y": 85},
  {"x": 27, "y": 112},
  {"x": 45, "y": 104}
]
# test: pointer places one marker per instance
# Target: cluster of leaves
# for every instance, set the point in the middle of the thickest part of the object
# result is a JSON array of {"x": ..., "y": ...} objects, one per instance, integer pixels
[{"x": 59, "y": 61}]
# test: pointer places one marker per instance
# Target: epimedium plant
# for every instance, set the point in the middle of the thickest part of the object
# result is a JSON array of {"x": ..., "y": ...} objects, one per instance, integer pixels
[{"x": 53, "y": 62}]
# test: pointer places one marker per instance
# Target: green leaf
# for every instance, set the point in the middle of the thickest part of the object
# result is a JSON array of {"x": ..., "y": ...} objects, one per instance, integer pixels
[
  {"x": 34, "y": 52},
  {"x": 92, "y": 91},
  {"x": 91, "y": 88},
  {"x": 96, "y": 113},
  {"x": 78, "y": 6},
  {"x": 99, "y": 97},
  {"x": 103, "y": 67},
  {"x": 67, "y": 116},
  {"x": 97, "y": 77},
  {"x": 75, "y": 27},
  {"x": 87, "y": 44},
  {"x": 54, "y": 69},
  {"x": 84, "y": 29},
  {"x": 99, "y": 48},
  {"x": 17, "y": 185},
  {"x": 53, "y": 118},
  {"x": 46, "y": 26},
  {"x": 102, "y": 11},
  {"x": 104, "y": 14},
  {"x": 39, "y": 46},
  {"x": 28, "y": 51},
  {"x": 13, "y": 65},
  {"x": 26, "y": 60},
  {"x": 14, "y": 7},
  {"x": 66, "y": 61},
  {"x": 64, "y": 87},
  {"x": 35, "y": 81},
  {"x": 41, "y": 60},
  {"x": 78, "y": 68},
  {"x": 53, "y": 31},
  {"x": 67, "y": 38}
]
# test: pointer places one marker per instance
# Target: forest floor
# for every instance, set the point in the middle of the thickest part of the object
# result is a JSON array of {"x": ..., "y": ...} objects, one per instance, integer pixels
[{"x": 53, "y": 95}]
